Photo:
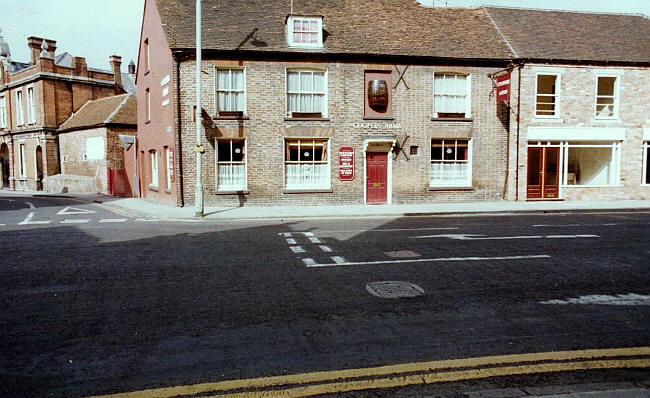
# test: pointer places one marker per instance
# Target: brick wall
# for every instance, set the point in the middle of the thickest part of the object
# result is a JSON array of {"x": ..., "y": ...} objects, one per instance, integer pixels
[
  {"x": 577, "y": 109},
  {"x": 266, "y": 129}
]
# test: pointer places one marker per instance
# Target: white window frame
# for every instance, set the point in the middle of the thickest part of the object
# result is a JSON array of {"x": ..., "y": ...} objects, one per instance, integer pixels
[
  {"x": 231, "y": 188},
  {"x": 3, "y": 112},
  {"x": 615, "y": 172},
  {"x": 168, "y": 165},
  {"x": 324, "y": 93},
  {"x": 557, "y": 95},
  {"x": 23, "y": 160},
  {"x": 327, "y": 183},
  {"x": 319, "y": 31},
  {"x": 217, "y": 89},
  {"x": 153, "y": 163},
  {"x": 617, "y": 84},
  {"x": 468, "y": 92},
  {"x": 31, "y": 105},
  {"x": 464, "y": 183},
  {"x": 646, "y": 159},
  {"x": 20, "y": 110}
]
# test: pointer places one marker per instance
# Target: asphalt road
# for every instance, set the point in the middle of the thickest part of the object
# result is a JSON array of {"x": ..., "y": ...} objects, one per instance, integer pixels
[{"x": 114, "y": 303}]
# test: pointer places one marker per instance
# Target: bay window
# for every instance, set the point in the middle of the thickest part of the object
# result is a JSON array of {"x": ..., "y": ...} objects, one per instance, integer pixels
[{"x": 307, "y": 164}]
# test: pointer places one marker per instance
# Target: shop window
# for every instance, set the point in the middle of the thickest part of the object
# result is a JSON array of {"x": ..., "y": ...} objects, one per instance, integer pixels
[
  {"x": 231, "y": 93},
  {"x": 306, "y": 93},
  {"x": 592, "y": 165},
  {"x": 378, "y": 97},
  {"x": 305, "y": 31},
  {"x": 451, "y": 95},
  {"x": 451, "y": 163},
  {"x": 606, "y": 97},
  {"x": 3, "y": 112},
  {"x": 307, "y": 164},
  {"x": 547, "y": 97},
  {"x": 231, "y": 165},
  {"x": 153, "y": 163},
  {"x": 20, "y": 112}
]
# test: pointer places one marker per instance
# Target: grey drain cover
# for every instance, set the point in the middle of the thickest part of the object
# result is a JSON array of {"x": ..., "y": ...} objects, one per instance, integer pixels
[{"x": 394, "y": 289}]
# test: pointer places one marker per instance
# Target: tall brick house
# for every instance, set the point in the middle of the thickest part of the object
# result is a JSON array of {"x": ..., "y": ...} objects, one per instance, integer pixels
[
  {"x": 581, "y": 93},
  {"x": 35, "y": 98},
  {"x": 343, "y": 102}
]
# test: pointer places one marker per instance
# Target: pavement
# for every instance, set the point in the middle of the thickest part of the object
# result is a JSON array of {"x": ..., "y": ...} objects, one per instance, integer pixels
[{"x": 150, "y": 209}]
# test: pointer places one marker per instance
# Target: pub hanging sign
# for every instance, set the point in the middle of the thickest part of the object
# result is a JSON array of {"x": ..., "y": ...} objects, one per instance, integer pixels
[
  {"x": 503, "y": 87},
  {"x": 346, "y": 163}
]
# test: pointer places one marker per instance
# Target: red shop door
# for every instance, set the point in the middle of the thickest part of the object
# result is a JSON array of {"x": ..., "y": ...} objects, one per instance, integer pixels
[
  {"x": 376, "y": 178},
  {"x": 543, "y": 173}
]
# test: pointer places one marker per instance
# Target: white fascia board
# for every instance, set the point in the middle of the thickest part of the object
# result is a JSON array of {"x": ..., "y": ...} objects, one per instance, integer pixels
[
  {"x": 646, "y": 134},
  {"x": 576, "y": 133}
]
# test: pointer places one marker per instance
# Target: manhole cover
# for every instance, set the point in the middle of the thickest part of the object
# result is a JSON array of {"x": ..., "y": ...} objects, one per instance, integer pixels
[{"x": 394, "y": 289}]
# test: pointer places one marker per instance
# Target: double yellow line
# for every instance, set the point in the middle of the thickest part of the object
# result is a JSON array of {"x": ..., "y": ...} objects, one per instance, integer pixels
[{"x": 308, "y": 384}]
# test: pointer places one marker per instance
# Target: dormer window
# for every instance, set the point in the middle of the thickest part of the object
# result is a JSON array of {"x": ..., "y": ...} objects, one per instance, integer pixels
[{"x": 305, "y": 31}]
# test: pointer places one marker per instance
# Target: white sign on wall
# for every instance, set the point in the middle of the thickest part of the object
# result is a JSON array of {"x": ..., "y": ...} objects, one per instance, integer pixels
[{"x": 95, "y": 148}]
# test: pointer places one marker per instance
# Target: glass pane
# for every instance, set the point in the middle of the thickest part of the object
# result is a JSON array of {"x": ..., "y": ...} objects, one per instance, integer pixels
[
  {"x": 592, "y": 166},
  {"x": 606, "y": 85},
  {"x": 318, "y": 104},
  {"x": 294, "y": 104},
  {"x": 297, "y": 25},
  {"x": 222, "y": 100},
  {"x": 223, "y": 79},
  {"x": 238, "y": 80},
  {"x": 546, "y": 84},
  {"x": 239, "y": 101},
  {"x": 551, "y": 172},
  {"x": 237, "y": 151},
  {"x": 534, "y": 160},
  {"x": 297, "y": 37},
  {"x": 305, "y": 103},
  {"x": 224, "y": 151},
  {"x": 293, "y": 81},
  {"x": 306, "y": 81},
  {"x": 449, "y": 150},
  {"x": 313, "y": 26},
  {"x": 319, "y": 82},
  {"x": 436, "y": 150}
]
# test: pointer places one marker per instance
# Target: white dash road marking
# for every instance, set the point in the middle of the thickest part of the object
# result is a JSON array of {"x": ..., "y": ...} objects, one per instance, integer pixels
[
  {"x": 340, "y": 261},
  {"x": 112, "y": 220},
  {"x": 291, "y": 241},
  {"x": 309, "y": 261},
  {"x": 603, "y": 299},
  {"x": 297, "y": 249},
  {"x": 570, "y": 236},
  {"x": 556, "y": 225},
  {"x": 308, "y": 233},
  {"x": 146, "y": 219},
  {"x": 314, "y": 240},
  {"x": 326, "y": 249},
  {"x": 74, "y": 210},
  {"x": 31, "y": 206},
  {"x": 28, "y": 220},
  {"x": 482, "y": 237},
  {"x": 285, "y": 234},
  {"x": 75, "y": 221}
]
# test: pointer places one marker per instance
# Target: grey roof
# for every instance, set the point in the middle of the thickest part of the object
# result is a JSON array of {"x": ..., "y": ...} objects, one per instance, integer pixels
[
  {"x": 128, "y": 84},
  {"x": 64, "y": 59}
]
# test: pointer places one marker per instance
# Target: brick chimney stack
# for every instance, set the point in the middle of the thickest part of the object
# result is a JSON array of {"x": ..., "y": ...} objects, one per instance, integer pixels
[
  {"x": 116, "y": 64},
  {"x": 79, "y": 65},
  {"x": 51, "y": 47},
  {"x": 34, "y": 44}
]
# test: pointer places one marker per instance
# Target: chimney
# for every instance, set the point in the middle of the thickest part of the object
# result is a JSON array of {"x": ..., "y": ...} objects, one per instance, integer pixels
[
  {"x": 79, "y": 65},
  {"x": 116, "y": 64},
  {"x": 51, "y": 47},
  {"x": 34, "y": 44},
  {"x": 132, "y": 69}
]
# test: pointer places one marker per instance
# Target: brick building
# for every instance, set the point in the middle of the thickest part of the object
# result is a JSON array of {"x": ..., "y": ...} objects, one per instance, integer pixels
[
  {"x": 331, "y": 102},
  {"x": 92, "y": 156},
  {"x": 584, "y": 103},
  {"x": 36, "y": 97}
]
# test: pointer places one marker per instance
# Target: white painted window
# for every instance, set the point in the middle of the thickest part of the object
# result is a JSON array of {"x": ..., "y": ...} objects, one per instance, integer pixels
[
  {"x": 169, "y": 166},
  {"x": 231, "y": 165},
  {"x": 148, "y": 104},
  {"x": 305, "y": 31},
  {"x": 547, "y": 98},
  {"x": 306, "y": 93},
  {"x": 20, "y": 110},
  {"x": 307, "y": 164},
  {"x": 231, "y": 91},
  {"x": 3, "y": 112},
  {"x": 153, "y": 159},
  {"x": 646, "y": 163},
  {"x": 607, "y": 97},
  {"x": 591, "y": 165},
  {"x": 23, "y": 160},
  {"x": 452, "y": 95},
  {"x": 451, "y": 163},
  {"x": 31, "y": 106}
]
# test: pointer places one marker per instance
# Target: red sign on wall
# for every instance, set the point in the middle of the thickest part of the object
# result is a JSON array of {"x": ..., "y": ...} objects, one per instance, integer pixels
[
  {"x": 346, "y": 163},
  {"x": 503, "y": 87}
]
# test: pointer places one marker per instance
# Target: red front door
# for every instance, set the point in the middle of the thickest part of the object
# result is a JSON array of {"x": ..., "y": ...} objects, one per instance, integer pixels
[
  {"x": 543, "y": 173},
  {"x": 376, "y": 178}
]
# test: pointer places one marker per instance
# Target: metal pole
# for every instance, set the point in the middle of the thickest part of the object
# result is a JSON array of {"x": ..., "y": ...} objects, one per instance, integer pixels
[{"x": 198, "y": 194}]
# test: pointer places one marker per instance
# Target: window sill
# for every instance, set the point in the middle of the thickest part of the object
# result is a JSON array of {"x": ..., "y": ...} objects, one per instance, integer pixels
[
  {"x": 292, "y": 191},
  {"x": 240, "y": 192},
  {"x": 147, "y": 121},
  {"x": 230, "y": 117},
  {"x": 153, "y": 188},
  {"x": 306, "y": 119},
  {"x": 378, "y": 118},
  {"x": 168, "y": 191},
  {"x": 451, "y": 119},
  {"x": 546, "y": 117},
  {"x": 450, "y": 189}
]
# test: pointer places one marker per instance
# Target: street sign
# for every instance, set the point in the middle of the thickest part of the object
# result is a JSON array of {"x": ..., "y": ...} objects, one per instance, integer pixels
[{"x": 346, "y": 163}]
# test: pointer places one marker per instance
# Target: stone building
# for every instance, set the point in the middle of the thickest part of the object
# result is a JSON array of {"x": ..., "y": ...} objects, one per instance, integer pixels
[
  {"x": 35, "y": 98},
  {"x": 336, "y": 102}
]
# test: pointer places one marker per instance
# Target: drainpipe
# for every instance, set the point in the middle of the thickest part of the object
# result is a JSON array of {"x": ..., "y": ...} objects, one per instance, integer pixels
[
  {"x": 520, "y": 67},
  {"x": 198, "y": 193}
]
